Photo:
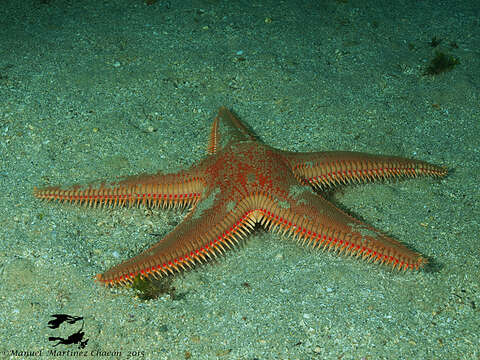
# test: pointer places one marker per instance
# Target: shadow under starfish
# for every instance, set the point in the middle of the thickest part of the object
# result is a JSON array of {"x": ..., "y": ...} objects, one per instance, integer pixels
[{"x": 243, "y": 182}]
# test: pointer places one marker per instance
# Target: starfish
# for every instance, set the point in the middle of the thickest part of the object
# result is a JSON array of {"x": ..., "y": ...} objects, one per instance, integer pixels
[{"x": 243, "y": 182}]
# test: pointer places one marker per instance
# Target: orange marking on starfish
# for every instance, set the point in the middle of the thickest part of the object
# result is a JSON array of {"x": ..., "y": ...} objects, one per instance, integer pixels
[{"x": 243, "y": 182}]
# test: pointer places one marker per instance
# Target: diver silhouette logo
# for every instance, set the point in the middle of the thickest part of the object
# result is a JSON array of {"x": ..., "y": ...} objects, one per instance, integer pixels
[{"x": 75, "y": 338}]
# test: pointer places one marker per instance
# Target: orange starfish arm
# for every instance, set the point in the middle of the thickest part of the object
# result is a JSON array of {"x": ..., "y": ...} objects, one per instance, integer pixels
[
  {"x": 324, "y": 169},
  {"x": 314, "y": 221},
  {"x": 209, "y": 229},
  {"x": 179, "y": 189},
  {"x": 227, "y": 127}
]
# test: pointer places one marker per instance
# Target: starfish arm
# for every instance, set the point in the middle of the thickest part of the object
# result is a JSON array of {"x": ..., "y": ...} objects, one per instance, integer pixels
[
  {"x": 181, "y": 189},
  {"x": 312, "y": 220},
  {"x": 324, "y": 169},
  {"x": 208, "y": 230},
  {"x": 227, "y": 127}
]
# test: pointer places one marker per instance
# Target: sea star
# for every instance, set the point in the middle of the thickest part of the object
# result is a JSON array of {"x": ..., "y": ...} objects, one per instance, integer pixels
[{"x": 243, "y": 182}]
